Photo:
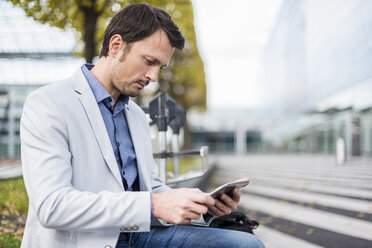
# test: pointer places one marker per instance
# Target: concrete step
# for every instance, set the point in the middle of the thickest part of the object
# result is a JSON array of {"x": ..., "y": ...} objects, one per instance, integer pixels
[
  {"x": 306, "y": 199},
  {"x": 312, "y": 198},
  {"x": 276, "y": 239},
  {"x": 313, "y": 217},
  {"x": 299, "y": 185}
]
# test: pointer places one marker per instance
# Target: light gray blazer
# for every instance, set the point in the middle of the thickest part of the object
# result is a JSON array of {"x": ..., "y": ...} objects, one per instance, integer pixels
[{"x": 72, "y": 179}]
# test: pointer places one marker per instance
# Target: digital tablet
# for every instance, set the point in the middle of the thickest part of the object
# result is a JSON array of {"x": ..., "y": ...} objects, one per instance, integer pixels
[{"x": 226, "y": 188}]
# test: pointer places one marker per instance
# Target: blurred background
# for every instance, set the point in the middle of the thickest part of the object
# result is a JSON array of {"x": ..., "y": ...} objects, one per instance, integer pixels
[
  {"x": 273, "y": 88},
  {"x": 273, "y": 76}
]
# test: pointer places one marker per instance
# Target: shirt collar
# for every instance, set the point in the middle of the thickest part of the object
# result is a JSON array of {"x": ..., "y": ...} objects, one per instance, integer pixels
[{"x": 99, "y": 92}]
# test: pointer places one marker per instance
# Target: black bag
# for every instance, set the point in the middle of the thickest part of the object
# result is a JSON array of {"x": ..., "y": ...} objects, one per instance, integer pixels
[{"x": 237, "y": 220}]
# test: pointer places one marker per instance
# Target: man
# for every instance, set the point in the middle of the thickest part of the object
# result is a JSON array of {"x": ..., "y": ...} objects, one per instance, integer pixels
[{"x": 87, "y": 158}]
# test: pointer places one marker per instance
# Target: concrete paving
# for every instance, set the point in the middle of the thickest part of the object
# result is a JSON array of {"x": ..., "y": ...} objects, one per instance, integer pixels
[
  {"x": 304, "y": 200},
  {"x": 10, "y": 168}
]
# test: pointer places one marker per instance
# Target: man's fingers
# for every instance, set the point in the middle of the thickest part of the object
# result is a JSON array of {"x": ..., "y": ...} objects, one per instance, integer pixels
[
  {"x": 216, "y": 212},
  {"x": 235, "y": 195},
  {"x": 230, "y": 203},
  {"x": 203, "y": 198},
  {"x": 186, "y": 215},
  {"x": 198, "y": 208},
  {"x": 222, "y": 207},
  {"x": 192, "y": 215},
  {"x": 192, "y": 212}
]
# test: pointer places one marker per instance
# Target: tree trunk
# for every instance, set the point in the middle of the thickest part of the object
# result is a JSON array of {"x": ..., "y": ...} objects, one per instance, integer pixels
[{"x": 90, "y": 24}]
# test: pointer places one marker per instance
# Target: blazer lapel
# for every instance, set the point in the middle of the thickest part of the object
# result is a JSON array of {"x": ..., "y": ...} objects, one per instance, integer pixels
[
  {"x": 138, "y": 147},
  {"x": 87, "y": 99}
]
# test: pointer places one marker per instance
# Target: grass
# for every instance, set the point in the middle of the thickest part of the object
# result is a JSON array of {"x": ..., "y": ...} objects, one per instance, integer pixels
[
  {"x": 13, "y": 202},
  {"x": 9, "y": 241},
  {"x": 13, "y": 195},
  {"x": 186, "y": 164}
]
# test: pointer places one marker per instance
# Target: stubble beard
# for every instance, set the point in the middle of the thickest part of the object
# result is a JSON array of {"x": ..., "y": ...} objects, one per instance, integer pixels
[
  {"x": 124, "y": 87},
  {"x": 127, "y": 88}
]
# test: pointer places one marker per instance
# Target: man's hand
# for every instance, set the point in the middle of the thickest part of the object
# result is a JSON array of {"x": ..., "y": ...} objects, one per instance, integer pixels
[
  {"x": 180, "y": 206},
  {"x": 226, "y": 203}
]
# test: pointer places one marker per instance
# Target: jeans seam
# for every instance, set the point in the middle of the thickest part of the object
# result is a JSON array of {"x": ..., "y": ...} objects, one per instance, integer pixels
[
  {"x": 185, "y": 239},
  {"x": 169, "y": 240}
]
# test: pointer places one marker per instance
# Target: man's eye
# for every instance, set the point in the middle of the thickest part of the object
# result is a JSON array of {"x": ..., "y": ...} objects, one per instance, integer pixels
[{"x": 150, "y": 62}]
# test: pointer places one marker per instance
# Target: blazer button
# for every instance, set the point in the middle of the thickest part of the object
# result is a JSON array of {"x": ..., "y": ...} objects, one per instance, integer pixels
[
  {"x": 135, "y": 228},
  {"x": 108, "y": 246},
  {"x": 123, "y": 228}
]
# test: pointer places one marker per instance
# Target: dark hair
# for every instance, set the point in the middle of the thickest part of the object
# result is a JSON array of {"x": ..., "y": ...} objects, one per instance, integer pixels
[{"x": 138, "y": 21}]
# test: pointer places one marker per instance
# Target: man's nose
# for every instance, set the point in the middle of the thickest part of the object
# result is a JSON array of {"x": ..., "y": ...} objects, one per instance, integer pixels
[{"x": 152, "y": 74}]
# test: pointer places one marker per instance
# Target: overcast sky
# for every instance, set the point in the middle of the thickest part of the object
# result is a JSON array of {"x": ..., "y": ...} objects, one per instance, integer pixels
[{"x": 231, "y": 35}]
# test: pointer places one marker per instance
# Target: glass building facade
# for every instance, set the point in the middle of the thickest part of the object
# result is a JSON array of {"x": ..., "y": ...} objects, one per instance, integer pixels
[
  {"x": 318, "y": 78},
  {"x": 31, "y": 55}
]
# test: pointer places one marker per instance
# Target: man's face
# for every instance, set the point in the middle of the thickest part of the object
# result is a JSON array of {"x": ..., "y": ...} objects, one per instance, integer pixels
[{"x": 139, "y": 64}]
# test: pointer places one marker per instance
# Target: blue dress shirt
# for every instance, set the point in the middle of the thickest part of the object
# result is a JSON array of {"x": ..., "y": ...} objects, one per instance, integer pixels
[{"x": 117, "y": 128}]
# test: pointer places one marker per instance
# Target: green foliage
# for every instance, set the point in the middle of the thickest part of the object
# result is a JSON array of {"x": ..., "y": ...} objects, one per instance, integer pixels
[
  {"x": 9, "y": 241},
  {"x": 13, "y": 197},
  {"x": 13, "y": 211},
  {"x": 186, "y": 164},
  {"x": 185, "y": 78}
]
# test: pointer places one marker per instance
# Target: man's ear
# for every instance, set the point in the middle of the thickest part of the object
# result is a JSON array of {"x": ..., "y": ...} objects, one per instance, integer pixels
[{"x": 116, "y": 45}]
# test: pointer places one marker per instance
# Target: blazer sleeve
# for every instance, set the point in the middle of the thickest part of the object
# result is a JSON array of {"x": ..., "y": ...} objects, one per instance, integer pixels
[{"x": 47, "y": 169}]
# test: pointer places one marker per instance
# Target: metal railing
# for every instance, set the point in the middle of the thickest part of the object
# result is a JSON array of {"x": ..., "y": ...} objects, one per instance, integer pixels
[{"x": 164, "y": 112}]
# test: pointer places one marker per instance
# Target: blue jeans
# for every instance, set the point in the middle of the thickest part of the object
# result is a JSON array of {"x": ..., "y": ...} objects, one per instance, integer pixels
[{"x": 189, "y": 237}]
